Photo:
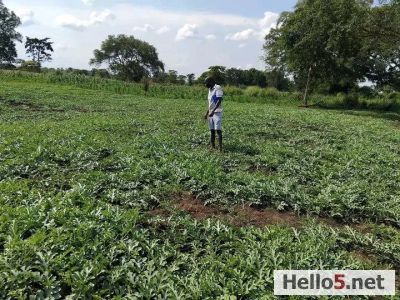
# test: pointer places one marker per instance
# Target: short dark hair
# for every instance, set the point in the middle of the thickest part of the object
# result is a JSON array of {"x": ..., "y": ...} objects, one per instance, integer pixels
[{"x": 209, "y": 79}]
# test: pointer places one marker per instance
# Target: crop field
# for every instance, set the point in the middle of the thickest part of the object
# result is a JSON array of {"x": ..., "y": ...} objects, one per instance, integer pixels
[{"x": 111, "y": 195}]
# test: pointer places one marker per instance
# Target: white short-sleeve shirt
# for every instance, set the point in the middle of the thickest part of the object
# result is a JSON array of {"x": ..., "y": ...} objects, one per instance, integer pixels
[{"x": 213, "y": 95}]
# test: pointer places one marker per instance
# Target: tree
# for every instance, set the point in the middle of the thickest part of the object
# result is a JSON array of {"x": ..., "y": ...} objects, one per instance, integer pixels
[
  {"x": 342, "y": 41},
  {"x": 102, "y": 73},
  {"x": 218, "y": 72},
  {"x": 255, "y": 77},
  {"x": 128, "y": 58},
  {"x": 382, "y": 42},
  {"x": 39, "y": 49},
  {"x": 323, "y": 35},
  {"x": 234, "y": 76},
  {"x": 190, "y": 78},
  {"x": 182, "y": 79},
  {"x": 172, "y": 76},
  {"x": 8, "y": 35},
  {"x": 30, "y": 66},
  {"x": 278, "y": 80},
  {"x": 160, "y": 77}
]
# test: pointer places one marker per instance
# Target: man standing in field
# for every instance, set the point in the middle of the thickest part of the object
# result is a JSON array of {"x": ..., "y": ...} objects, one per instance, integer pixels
[{"x": 214, "y": 111}]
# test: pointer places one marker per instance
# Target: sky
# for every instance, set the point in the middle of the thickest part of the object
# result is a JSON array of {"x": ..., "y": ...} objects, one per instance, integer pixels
[{"x": 190, "y": 35}]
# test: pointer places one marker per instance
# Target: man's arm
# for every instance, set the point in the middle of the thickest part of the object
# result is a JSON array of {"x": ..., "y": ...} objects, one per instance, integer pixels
[
  {"x": 219, "y": 101},
  {"x": 207, "y": 114}
]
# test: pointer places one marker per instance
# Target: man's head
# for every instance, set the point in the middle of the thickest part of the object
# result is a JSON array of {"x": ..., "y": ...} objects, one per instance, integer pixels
[{"x": 210, "y": 82}]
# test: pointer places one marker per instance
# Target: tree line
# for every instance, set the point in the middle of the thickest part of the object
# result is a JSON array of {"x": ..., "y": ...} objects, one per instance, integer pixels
[
  {"x": 122, "y": 57},
  {"x": 327, "y": 46},
  {"x": 131, "y": 59}
]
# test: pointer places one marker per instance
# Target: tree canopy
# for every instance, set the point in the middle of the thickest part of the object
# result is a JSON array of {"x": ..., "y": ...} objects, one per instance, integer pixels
[
  {"x": 9, "y": 21},
  {"x": 250, "y": 77},
  {"x": 342, "y": 41},
  {"x": 129, "y": 58},
  {"x": 382, "y": 42},
  {"x": 39, "y": 49}
]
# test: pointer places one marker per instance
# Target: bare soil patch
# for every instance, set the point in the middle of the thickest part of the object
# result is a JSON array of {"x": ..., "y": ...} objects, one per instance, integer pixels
[
  {"x": 34, "y": 107},
  {"x": 262, "y": 168},
  {"x": 29, "y": 106},
  {"x": 239, "y": 215},
  {"x": 245, "y": 215},
  {"x": 364, "y": 256}
]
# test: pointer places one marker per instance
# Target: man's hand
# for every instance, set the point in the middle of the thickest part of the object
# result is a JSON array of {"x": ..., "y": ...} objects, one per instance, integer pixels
[{"x": 211, "y": 114}]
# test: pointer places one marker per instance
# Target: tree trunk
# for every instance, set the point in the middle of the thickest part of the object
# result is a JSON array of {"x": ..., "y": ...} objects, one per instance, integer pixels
[{"x": 305, "y": 99}]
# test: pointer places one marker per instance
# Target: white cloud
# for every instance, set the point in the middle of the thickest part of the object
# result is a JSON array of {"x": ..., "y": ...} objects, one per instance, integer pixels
[
  {"x": 88, "y": 2},
  {"x": 26, "y": 15},
  {"x": 187, "y": 31},
  {"x": 101, "y": 17},
  {"x": 186, "y": 57},
  {"x": 242, "y": 45},
  {"x": 144, "y": 28},
  {"x": 163, "y": 29},
  {"x": 241, "y": 35},
  {"x": 264, "y": 26},
  {"x": 125, "y": 11},
  {"x": 150, "y": 28},
  {"x": 211, "y": 37},
  {"x": 75, "y": 23},
  {"x": 267, "y": 23},
  {"x": 62, "y": 46}
]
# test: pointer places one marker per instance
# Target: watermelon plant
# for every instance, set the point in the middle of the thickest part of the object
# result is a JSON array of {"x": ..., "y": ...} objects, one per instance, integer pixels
[{"x": 89, "y": 175}]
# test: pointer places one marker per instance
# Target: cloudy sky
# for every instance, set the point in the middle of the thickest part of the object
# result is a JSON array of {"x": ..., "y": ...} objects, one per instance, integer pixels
[{"x": 190, "y": 35}]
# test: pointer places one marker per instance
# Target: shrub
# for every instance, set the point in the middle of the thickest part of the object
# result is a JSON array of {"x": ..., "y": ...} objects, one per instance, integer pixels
[
  {"x": 323, "y": 89},
  {"x": 296, "y": 96},
  {"x": 351, "y": 100},
  {"x": 253, "y": 91},
  {"x": 393, "y": 96},
  {"x": 146, "y": 84},
  {"x": 7, "y": 66},
  {"x": 30, "y": 66},
  {"x": 233, "y": 91},
  {"x": 270, "y": 92},
  {"x": 367, "y": 91}
]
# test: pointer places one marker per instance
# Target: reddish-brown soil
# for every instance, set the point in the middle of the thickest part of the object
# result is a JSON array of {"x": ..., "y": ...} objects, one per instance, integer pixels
[
  {"x": 242, "y": 216},
  {"x": 245, "y": 215},
  {"x": 239, "y": 216}
]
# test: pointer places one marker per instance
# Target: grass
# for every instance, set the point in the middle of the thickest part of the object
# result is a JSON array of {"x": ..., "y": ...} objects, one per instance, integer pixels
[
  {"x": 164, "y": 91},
  {"x": 82, "y": 168},
  {"x": 387, "y": 102}
]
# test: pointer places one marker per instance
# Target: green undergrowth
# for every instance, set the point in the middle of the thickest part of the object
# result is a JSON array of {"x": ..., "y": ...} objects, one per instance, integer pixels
[{"x": 81, "y": 168}]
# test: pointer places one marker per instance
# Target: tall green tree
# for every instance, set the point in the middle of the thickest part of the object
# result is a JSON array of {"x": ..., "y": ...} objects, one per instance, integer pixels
[
  {"x": 235, "y": 77},
  {"x": 8, "y": 34},
  {"x": 324, "y": 36},
  {"x": 190, "y": 78},
  {"x": 218, "y": 72},
  {"x": 382, "y": 42},
  {"x": 39, "y": 49},
  {"x": 182, "y": 79},
  {"x": 256, "y": 77},
  {"x": 277, "y": 79},
  {"x": 128, "y": 58},
  {"x": 172, "y": 76}
]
